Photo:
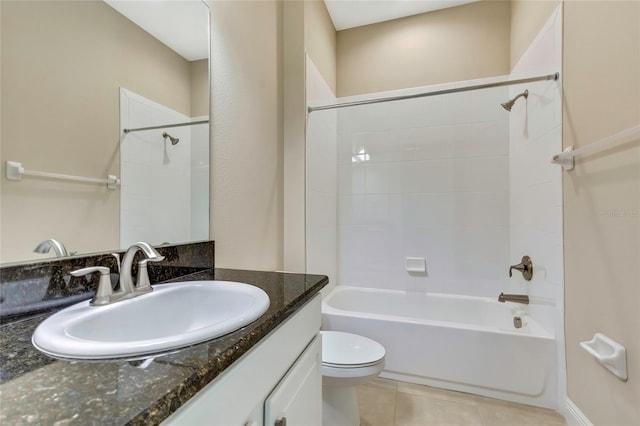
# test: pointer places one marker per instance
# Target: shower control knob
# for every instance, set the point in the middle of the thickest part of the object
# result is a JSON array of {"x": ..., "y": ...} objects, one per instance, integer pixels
[{"x": 525, "y": 266}]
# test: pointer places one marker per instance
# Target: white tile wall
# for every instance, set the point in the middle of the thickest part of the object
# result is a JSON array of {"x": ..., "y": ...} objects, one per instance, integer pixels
[
  {"x": 425, "y": 178},
  {"x": 154, "y": 204},
  {"x": 200, "y": 180},
  {"x": 536, "y": 185}
]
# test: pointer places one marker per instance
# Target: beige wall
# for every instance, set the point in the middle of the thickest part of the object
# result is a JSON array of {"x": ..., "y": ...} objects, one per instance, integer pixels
[
  {"x": 199, "y": 79},
  {"x": 320, "y": 40},
  {"x": 308, "y": 29},
  {"x": 294, "y": 104},
  {"x": 258, "y": 116},
  {"x": 62, "y": 64},
  {"x": 602, "y": 204},
  {"x": 246, "y": 129},
  {"x": 527, "y": 17},
  {"x": 459, "y": 43}
]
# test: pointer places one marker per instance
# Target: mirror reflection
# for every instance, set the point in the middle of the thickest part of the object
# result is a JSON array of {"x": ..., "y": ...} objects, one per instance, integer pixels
[{"x": 75, "y": 75}]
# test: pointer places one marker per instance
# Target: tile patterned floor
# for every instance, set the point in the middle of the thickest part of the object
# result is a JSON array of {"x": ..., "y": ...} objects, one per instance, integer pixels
[{"x": 389, "y": 403}]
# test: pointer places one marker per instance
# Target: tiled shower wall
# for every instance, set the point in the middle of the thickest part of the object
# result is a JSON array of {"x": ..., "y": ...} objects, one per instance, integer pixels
[
  {"x": 199, "y": 180},
  {"x": 536, "y": 185},
  {"x": 155, "y": 202},
  {"x": 437, "y": 178},
  {"x": 321, "y": 185},
  {"x": 426, "y": 178}
]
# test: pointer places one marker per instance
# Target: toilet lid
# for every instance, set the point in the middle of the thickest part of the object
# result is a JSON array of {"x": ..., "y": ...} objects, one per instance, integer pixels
[{"x": 346, "y": 349}]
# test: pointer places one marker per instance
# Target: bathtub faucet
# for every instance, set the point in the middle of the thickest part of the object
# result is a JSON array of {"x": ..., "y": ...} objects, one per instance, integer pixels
[{"x": 517, "y": 298}]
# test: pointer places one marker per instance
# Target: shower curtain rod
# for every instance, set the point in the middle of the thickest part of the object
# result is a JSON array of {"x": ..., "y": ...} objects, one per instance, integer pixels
[
  {"x": 555, "y": 76},
  {"x": 164, "y": 126}
]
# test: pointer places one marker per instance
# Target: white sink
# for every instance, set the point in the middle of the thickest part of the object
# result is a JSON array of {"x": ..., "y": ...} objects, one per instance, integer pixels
[{"x": 170, "y": 317}]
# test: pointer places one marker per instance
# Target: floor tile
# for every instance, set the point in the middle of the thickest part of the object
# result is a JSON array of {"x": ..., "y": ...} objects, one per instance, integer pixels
[
  {"x": 496, "y": 412},
  {"x": 415, "y": 410},
  {"x": 435, "y": 393},
  {"x": 377, "y": 404},
  {"x": 385, "y": 402},
  {"x": 379, "y": 382}
]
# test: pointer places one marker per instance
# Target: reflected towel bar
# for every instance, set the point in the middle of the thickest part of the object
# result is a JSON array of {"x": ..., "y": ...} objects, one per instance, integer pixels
[
  {"x": 15, "y": 171},
  {"x": 566, "y": 159},
  {"x": 164, "y": 126},
  {"x": 554, "y": 76}
]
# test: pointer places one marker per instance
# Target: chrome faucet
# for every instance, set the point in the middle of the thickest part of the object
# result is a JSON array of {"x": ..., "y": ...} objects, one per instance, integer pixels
[
  {"x": 517, "y": 298},
  {"x": 47, "y": 245},
  {"x": 127, "y": 289},
  {"x": 127, "y": 285}
]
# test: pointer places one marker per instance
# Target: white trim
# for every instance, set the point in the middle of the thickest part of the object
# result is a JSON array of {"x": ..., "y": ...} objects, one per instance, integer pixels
[{"x": 574, "y": 416}]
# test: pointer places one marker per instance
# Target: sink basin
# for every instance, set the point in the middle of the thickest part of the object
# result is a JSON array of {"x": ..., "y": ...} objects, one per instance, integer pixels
[{"x": 170, "y": 317}]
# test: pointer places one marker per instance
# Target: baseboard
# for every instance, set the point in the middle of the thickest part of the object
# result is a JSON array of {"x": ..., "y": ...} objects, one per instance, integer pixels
[{"x": 575, "y": 416}]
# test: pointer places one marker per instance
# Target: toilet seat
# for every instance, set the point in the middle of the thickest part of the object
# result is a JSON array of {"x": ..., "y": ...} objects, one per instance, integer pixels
[
  {"x": 346, "y": 350},
  {"x": 348, "y": 360},
  {"x": 368, "y": 364}
]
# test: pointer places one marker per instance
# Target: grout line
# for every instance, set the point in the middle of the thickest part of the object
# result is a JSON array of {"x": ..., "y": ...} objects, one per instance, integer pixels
[{"x": 395, "y": 403}]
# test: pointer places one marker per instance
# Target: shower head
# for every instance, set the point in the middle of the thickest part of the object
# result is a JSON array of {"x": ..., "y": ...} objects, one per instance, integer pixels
[
  {"x": 509, "y": 104},
  {"x": 173, "y": 140}
]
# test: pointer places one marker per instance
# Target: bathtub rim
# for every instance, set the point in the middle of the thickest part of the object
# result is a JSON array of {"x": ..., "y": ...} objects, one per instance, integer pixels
[{"x": 535, "y": 331}]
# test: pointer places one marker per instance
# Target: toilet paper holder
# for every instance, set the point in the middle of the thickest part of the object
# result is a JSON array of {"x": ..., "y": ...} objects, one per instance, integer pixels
[{"x": 611, "y": 354}]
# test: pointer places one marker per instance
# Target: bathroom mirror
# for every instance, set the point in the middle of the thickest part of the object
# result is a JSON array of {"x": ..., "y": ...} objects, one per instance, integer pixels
[{"x": 75, "y": 74}]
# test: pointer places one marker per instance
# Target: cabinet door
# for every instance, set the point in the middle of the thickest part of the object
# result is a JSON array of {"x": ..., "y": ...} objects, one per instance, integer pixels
[
  {"x": 297, "y": 399},
  {"x": 236, "y": 397}
]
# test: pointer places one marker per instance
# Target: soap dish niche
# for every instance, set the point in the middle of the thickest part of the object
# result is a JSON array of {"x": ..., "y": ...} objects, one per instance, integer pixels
[
  {"x": 416, "y": 265},
  {"x": 611, "y": 354}
]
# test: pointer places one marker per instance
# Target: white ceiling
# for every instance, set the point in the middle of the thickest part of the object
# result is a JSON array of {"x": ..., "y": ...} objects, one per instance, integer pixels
[
  {"x": 183, "y": 25},
  {"x": 355, "y": 13}
]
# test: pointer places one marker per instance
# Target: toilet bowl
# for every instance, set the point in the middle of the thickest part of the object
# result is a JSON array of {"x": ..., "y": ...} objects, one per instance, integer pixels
[{"x": 348, "y": 360}]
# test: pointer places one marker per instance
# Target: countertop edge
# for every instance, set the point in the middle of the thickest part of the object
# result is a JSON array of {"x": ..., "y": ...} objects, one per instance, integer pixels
[
  {"x": 172, "y": 401},
  {"x": 47, "y": 390}
]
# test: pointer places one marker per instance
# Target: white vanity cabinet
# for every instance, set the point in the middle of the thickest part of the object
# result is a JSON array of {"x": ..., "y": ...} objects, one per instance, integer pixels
[
  {"x": 295, "y": 400},
  {"x": 280, "y": 378}
]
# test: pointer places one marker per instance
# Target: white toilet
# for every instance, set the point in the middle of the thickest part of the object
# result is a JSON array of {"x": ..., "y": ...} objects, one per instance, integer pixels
[{"x": 348, "y": 360}]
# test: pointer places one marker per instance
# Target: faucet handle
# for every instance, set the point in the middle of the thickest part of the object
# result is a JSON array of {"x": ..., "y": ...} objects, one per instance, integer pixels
[
  {"x": 525, "y": 266},
  {"x": 103, "y": 294},
  {"x": 143, "y": 284}
]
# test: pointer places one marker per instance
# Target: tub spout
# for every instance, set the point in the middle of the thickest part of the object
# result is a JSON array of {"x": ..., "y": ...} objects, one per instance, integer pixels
[{"x": 517, "y": 298}]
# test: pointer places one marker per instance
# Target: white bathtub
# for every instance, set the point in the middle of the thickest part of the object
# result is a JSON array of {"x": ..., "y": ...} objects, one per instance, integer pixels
[{"x": 454, "y": 342}]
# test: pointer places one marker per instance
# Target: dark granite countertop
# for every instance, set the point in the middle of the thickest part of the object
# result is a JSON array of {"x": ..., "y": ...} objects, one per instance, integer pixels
[{"x": 36, "y": 389}]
